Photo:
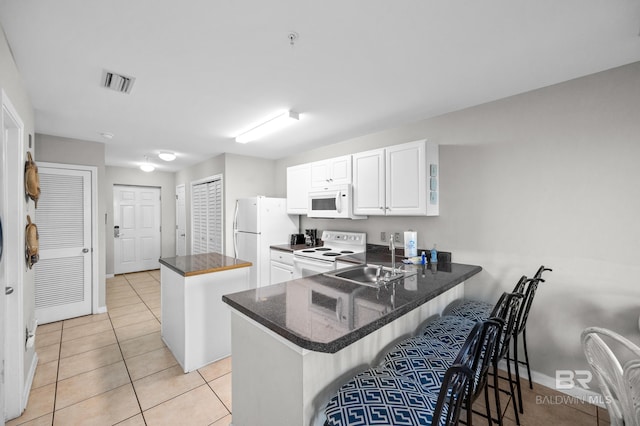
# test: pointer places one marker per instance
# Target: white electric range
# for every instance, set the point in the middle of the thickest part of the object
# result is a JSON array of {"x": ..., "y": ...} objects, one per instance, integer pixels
[{"x": 317, "y": 260}]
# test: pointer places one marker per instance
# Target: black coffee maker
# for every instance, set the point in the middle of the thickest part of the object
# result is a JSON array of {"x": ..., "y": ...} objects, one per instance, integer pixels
[
  {"x": 310, "y": 237},
  {"x": 297, "y": 239}
]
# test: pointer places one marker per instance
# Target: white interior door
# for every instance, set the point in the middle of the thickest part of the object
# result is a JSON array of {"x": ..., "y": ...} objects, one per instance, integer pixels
[
  {"x": 63, "y": 286},
  {"x": 136, "y": 221},
  {"x": 181, "y": 222}
]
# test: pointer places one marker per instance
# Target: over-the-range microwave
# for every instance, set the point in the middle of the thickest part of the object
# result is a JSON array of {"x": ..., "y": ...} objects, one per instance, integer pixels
[{"x": 333, "y": 202}]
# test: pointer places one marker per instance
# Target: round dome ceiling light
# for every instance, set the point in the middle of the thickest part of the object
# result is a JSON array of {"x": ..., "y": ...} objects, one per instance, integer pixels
[
  {"x": 147, "y": 166},
  {"x": 167, "y": 156}
]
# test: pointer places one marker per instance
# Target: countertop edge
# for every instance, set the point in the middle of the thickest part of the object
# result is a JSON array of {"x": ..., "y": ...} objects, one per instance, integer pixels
[
  {"x": 344, "y": 341},
  {"x": 203, "y": 271}
]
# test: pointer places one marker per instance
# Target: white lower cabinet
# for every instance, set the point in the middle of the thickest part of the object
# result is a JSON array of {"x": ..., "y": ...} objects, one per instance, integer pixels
[{"x": 281, "y": 266}]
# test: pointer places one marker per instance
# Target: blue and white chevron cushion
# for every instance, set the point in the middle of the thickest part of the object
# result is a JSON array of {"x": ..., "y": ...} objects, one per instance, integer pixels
[
  {"x": 427, "y": 372},
  {"x": 474, "y": 310},
  {"x": 449, "y": 329},
  {"x": 381, "y": 397},
  {"x": 418, "y": 346}
]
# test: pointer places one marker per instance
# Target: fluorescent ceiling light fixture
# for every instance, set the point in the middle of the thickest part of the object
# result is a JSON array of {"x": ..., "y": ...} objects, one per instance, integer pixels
[
  {"x": 167, "y": 156},
  {"x": 271, "y": 125},
  {"x": 146, "y": 166}
]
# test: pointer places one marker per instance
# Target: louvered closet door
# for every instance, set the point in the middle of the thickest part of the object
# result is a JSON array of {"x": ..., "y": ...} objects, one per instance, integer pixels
[
  {"x": 214, "y": 217},
  {"x": 206, "y": 213},
  {"x": 63, "y": 274},
  {"x": 199, "y": 224}
]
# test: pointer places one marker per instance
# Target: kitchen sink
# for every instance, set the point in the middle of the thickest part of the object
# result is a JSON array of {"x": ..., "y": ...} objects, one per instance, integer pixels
[{"x": 370, "y": 275}]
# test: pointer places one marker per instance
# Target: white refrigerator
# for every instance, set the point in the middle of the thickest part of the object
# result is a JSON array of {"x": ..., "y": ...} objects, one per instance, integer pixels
[{"x": 258, "y": 223}]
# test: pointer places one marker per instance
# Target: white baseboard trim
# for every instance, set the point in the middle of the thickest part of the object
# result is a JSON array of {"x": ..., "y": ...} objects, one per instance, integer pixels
[
  {"x": 109, "y": 275},
  {"x": 29, "y": 382},
  {"x": 577, "y": 393},
  {"x": 101, "y": 309}
]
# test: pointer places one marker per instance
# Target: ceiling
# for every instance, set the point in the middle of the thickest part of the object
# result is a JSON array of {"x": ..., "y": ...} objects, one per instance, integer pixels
[{"x": 206, "y": 70}]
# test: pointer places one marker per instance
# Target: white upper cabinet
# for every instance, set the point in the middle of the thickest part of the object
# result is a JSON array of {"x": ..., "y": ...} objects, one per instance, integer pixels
[
  {"x": 334, "y": 171},
  {"x": 400, "y": 180},
  {"x": 298, "y": 184},
  {"x": 369, "y": 182}
]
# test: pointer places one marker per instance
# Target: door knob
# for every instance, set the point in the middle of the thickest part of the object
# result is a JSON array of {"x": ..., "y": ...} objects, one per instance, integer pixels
[
  {"x": 85, "y": 250},
  {"x": 8, "y": 290}
]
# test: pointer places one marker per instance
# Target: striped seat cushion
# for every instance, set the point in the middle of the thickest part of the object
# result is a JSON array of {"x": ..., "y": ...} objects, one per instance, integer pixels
[
  {"x": 381, "y": 397},
  {"x": 422, "y": 360},
  {"x": 474, "y": 310},
  {"x": 449, "y": 329}
]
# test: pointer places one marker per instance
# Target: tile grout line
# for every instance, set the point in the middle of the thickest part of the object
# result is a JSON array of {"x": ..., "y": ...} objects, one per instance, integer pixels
[
  {"x": 143, "y": 301},
  {"x": 126, "y": 366},
  {"x": 216, "y": 394}
]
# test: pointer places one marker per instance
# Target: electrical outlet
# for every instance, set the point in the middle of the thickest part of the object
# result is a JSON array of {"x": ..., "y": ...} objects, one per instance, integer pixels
[
  {"x": 396, "y": 237},
  {"x": 383, "y": 236}
]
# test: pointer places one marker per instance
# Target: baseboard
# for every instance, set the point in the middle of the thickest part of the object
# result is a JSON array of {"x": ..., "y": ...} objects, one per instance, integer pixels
[
  {"x": 29, "y": 382},
  {"x": 575, "y": 394},
  {"x": 109, "y": 276},
  {"x": 101, "y": 309}
]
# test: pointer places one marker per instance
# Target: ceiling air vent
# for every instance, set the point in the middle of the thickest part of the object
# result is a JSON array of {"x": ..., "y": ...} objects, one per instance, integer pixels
[{"x": 119, "y": 83}]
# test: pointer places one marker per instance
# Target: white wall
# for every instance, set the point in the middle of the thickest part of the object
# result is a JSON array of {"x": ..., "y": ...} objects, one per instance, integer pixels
[
  {"x": 546, "y": 177},
  {"x": 12, "y": 84},
  {"x": 242, "y": 177},
  {"x": 163, "y": 180},
  {"x": 211, "y": 167}
]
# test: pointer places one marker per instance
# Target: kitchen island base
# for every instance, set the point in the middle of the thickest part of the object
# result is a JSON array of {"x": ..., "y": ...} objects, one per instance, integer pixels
[
  {"x": 275, "y": 381},
  {"x": 196, "y": 325}
]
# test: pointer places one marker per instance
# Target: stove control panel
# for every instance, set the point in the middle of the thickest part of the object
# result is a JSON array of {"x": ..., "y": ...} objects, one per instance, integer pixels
[{"x": 352, "y": 238}]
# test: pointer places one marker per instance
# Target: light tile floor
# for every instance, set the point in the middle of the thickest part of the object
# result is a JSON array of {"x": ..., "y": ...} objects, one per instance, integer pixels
[{"x": 114, "y": 368}]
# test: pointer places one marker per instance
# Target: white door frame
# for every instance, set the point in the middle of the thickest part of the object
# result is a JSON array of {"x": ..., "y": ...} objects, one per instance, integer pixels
[
  {"x": 184, "y": 218},
  {"x": 95, "y": 248},
  {"x": 16, "y": 394}
]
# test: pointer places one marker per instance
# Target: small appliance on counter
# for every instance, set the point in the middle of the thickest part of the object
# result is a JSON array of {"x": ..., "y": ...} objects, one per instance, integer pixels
[
  {"x": 311, "y": 237},
  {"x": 296, "y": 239}
]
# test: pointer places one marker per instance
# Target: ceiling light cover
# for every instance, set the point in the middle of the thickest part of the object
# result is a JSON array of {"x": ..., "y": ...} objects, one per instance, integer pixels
[
  {"x": 167, "y": 156},
  {"x": 271, "y": 125},
  {"x": 147, "y": 166}
]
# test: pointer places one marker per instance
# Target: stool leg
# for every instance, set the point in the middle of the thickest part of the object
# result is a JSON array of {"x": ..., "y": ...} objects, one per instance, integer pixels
[
  {"x": 517, "y": 365},
  {"x": 513, "y": 396},
  {"x": 496, "y": 391},
  {"x": 487, "y": 407},
  {"x": 526, "y": 356}
]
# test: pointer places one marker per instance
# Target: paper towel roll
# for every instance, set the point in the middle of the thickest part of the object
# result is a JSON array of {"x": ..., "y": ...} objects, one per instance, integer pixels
[{"x": 410, "y": 243}]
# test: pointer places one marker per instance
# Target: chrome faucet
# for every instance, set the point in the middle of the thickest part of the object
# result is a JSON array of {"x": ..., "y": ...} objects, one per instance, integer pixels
[{"x": 392, "y": 247}]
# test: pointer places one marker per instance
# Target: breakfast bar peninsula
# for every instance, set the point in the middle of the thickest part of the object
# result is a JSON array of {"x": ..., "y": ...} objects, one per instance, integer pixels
[{"x": 294, "y": 345}]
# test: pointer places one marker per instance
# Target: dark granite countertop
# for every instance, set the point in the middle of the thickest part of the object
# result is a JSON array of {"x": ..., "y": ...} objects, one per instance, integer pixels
[
  {"x": 206, "y": 263},
  {"x": 303, "y": 310}
]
